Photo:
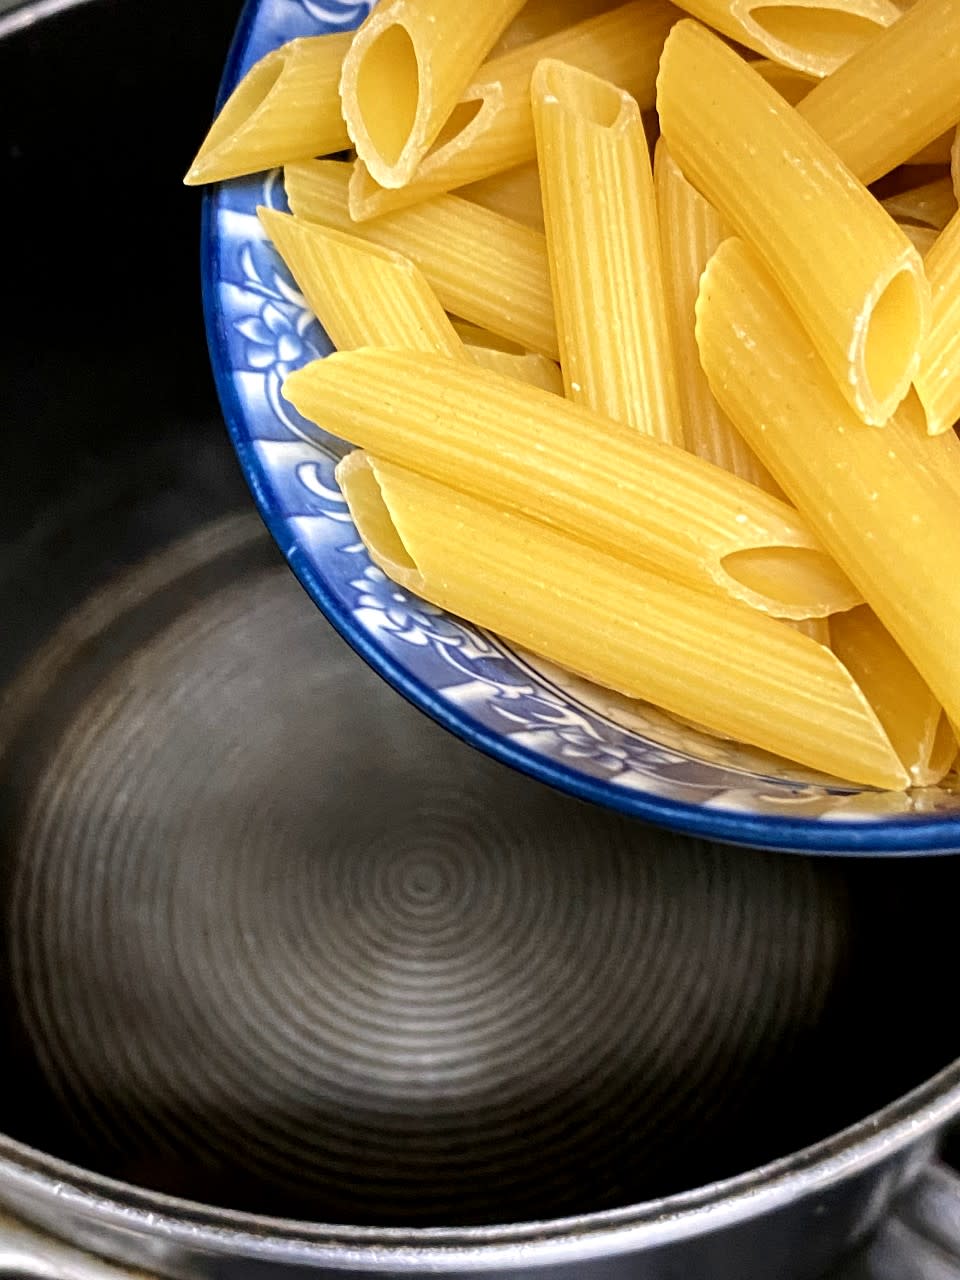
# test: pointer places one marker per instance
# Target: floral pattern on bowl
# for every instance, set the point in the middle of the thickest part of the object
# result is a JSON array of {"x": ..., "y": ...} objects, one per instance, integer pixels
[{"x": 520, "y": 709}]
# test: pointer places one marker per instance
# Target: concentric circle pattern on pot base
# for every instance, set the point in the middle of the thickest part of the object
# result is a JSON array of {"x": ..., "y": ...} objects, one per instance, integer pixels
[{"x": 279, "y": 943}]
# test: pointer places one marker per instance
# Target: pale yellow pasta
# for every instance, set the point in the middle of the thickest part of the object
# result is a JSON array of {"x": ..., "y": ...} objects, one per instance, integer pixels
[
  {"x": 945, "y": 755},
  {"x": 789, "y": 83},
  {"x": 814, "y": 36},
  {"x": 690, "y": 230},
  {"x": 606, "y": 484},
  {"x": 526, "y": 366},
  {"x": 936, "y": 152},
  {"x": 932, "y": 205},
  {"x": 922, "y": 238},
  {"x": 910, "y": 714},
  {"x": 879, "y": 500},
  {"x": 938, "y": 378},
  {"x": 852, "y": 276},
  {"x": 285, "y": 108},
  {"x": 405, "y": 71},
  {"x": 503, "y": 356},
  {"x": 482, "y": 266},
  {"x": 515, "y": 194},
  {"x": 705, "y": 658},
  {"x": 896, "y": 95},
  {"x": 604, "y": 250},
  {"x": 362, "y": 294},
  {"x": 816, "y": 628},
  {"x": 491, "y": 128},
  {"x": 955, "y": 162},
  {"x": 539, "y": 18}
]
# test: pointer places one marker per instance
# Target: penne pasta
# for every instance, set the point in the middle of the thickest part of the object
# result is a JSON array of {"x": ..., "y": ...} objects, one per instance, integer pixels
[
  {"x": 509, "y": 358},
  {"x": 862, "y": 296},
  {"x": 955, "y": 162},
  {"x": 938, "y": 378},
  {"x": 605, "y": 484},
  {"x": 922, "y": 238},
  {"x": 604, "y": 251},
  {"x": 944, "y": 758},
  {"x": 404, "y": 73},
  {"x": 362, "y": 294},
  {"x": 705, "y": 658},
  {"x": 881, "y": 501},
  {"x": 791, "y": 85},
  {"x": 525, "y": 366},
  {"x": 936, "y": 152},
  {"x": 539, "y": 18},
  {"x": 932, "y": 205},
  {"x": 285, "y": 108},
  {"x": 813, "y": 36},
  {"x": 690, "y": 230},
  {"x": 816, "y": 628},
  {"x": 861, "y": 113},
  {"x": 484, "y": 267},
  {"x": 491, "y": 128},
  {"x": 515, "y": 194},
  {"x": 910, "y": 714},
  {"x": 365, "y": 295}
]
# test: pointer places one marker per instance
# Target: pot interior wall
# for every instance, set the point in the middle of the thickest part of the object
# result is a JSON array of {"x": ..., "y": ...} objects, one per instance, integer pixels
[{"x": 272, "y": 941}]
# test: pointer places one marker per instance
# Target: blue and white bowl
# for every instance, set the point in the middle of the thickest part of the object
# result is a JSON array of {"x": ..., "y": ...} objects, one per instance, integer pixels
[{"x": 592, "y": 743}]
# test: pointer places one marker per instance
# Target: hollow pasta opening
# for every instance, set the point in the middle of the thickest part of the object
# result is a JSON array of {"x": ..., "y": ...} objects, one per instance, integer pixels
[
  {"x": 388, "y": 91},
  {"x": 796, "y": 578},
  {"x": 892, "y": 330},
  {"x": 361, "y": 489},
  {"x": 596, "y": 101},
  {"x": 462, "y": 115},
  {"x": 821, "y": 32}
]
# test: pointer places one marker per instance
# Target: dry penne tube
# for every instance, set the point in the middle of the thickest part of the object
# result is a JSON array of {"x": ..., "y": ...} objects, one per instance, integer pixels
[
  {"x": 690, "y": 230},
  {"x": 526, "y": 366},
  {"x": 482, "y": 266},
  {"x": 932, "y": 205},
  {"x": 935, "y": 153},
  {"x": 515, "y": 194},
  {"x": 603, "y": 246},
  {"x": 540, "y": 18},
  {"x": 863, "y": 113},
  {"x": 365, "y": 295},
  {"x": 285, "y": 108},
  {"x": 405, "y": 71},
  {"x": 861, "y": 293},
  {"x": 491, "y": 128},
  {"x": 945, "y": 755},
  {"x": 815, "y": 628},
  {"x": 922, "y": 238},
  {"x": 789, "y": 83},
  {"x": 938, "y": 378},
  {"x": 362, "y": 294},
  {"x": 912, "y": 717},
  {"x": 509, "y": 358},
  {"x": 955, "y": 162},
  {"x": 603, "y": 483},
  {"x": 702, "y": 657},
  {"x": 814, "y": 36},
  {"x": 879, "y": 500}
]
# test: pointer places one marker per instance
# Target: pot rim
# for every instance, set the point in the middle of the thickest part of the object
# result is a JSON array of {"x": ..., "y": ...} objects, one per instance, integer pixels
[{"x": 36, "y": 1177}]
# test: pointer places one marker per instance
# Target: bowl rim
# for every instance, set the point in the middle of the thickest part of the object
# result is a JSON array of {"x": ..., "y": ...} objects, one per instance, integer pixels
[{"x": 863, "y": 836}]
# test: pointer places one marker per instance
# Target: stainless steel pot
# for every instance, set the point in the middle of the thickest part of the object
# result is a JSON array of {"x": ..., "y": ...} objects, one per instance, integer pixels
[{"x": 294, "y": 982}]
